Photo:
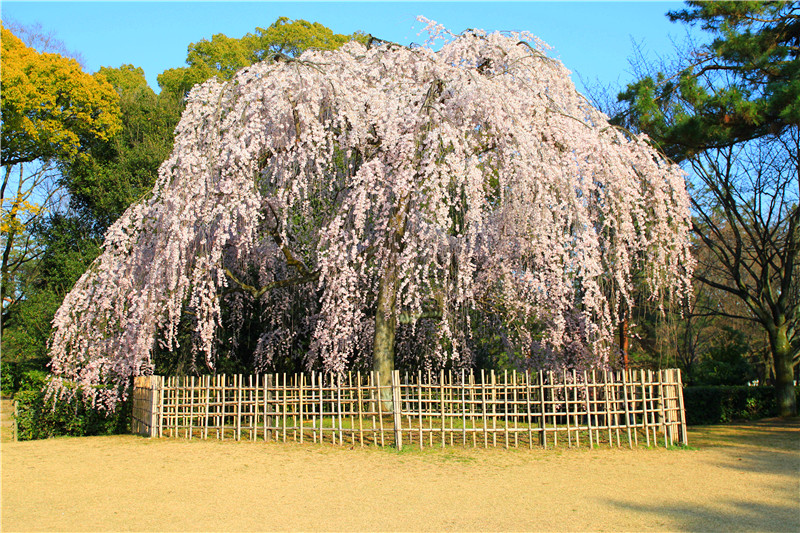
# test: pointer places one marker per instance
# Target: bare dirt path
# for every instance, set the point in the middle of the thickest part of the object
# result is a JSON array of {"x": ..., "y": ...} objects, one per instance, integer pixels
[{"x": 744, "y": 477}]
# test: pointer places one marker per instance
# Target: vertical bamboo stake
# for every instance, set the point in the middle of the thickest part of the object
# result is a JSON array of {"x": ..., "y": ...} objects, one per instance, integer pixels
[
  {"x": 350, "y": 407},
  {"x": 494, "y": 408},
  {"x": 419, "y": 403},
  {"x": 567, "y": 402},
  {"x": 283, "y": 408},
  {"x": 552, "y": 387},
  {"x": 588, "y": 409},
  {"x": 175, "y": 404},
  {"x": 161, "y": 407},
  {"x": 627, "y": 410},
  {"x": 505, "y": 407},
  {"x": 463, "y": 410},
  {"x": 380, "y": 404},
  {"x": 16, "y": 418},
  {"x": 474, "y": 431},
  {"x": 441, "y": 402},
  {"x": 543, "y": 407},
  {"x": 339, "y": 407},
  {"x": 190, "y": 429},
  {"x": 396, "y": 415},
  {"x": 608, "y": 407},
  {"x": 528, "y": 391},
  {"x": 514, "y": 407},
  {"x": 266, "y": 383},
  {"x": 643, "y": 380},
  {"x": 311, "y": 405},
  {"x": 661, "y": 408},
  {"x": 320, "y": 406},
  {"x": 483, "y": 410},
  {"x": 682, "y": 414},
  {"x": 451, "y": 405},
  {"x": 358, "y": 400}
]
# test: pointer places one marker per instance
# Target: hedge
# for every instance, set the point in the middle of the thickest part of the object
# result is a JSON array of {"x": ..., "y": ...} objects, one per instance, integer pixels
[
  {"x": 722, "y": 404},
  {"x": 40, "y": 419}
]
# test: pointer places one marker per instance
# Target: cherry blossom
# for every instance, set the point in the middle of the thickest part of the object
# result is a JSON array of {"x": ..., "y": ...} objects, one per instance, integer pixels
[{"x": 397, "y": 187}]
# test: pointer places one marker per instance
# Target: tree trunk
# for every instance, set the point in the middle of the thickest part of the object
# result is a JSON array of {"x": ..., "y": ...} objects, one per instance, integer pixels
[
  {"x": 784, "y": 371},
  {"x": 385, "y": 327},
  {"x": 623, "y": 341}
]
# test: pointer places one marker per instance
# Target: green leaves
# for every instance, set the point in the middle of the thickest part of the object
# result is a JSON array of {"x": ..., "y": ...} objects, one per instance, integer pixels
[
  {"x": 223, "y": 56},
  {"x": 743, "y": 85}
]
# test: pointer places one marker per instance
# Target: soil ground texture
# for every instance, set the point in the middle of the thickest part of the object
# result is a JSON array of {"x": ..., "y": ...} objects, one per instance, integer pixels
[{"x": 743, "y": 477}]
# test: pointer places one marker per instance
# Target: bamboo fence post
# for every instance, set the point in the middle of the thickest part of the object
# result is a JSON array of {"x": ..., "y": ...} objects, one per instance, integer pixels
[
  {"x": 419, "y": 410},
  {"x": 528, "y": 391},
  {"x": 190, "y": 428},
  {"x": 505, "y": 407},
  {"x": 16, "y": 423},
  {"x": 441, "y": 403},
  {"x": 553, "y": 398},
  {"x": 588, "y": 409},
  {"x": 514, "y": 407},
  {"x": 396, "y": 414},
  {"x": 451, "y": 405},
  {"x": 661, "y": 400},
  {"x": 627, "y": 410},
  {"x": 494, "y": 408},
  {"x": 175, "y": 404},
  {"x": 350, "y": 407},
  {"x": 474, "y": 431},
  {"x": 543, "y": 411},
  {"x": 380, "y": 403},
  {"x": 566, "y": 403},
  {"x": 358, "y": 404},
  {"x": 483, "y": 410},
  {"x": 613, "y": 391},
  {"x": 339, "y": 407},
  {"x": 267, "y": 384},
  {"x": 160, "y": 402},
  {"x": 322, "y": 408},
  {"x": 311, "y": 405},
  {"x": 682, "y": 414},
  {"x": 643, "y": 378},
  {"x": 429, "y": 388},
  {"x": 463, "y": 410},
  {"x": 607, "y": 403},
  {"x": 283, "y": 409}
]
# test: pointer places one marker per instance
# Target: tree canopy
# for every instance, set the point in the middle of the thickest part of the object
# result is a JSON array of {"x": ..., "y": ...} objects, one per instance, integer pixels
[
  {"x": 731, "y": 111},
  {"x": 223, "y": 56},
  {"x": 398, "y": 188},
  {"x": 745, "y": 84},
  {"x": 50, "y": 107}
]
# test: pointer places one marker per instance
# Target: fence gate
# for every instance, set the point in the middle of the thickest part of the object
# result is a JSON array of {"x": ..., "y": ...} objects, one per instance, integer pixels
[
  {"x": 146, "y": 401},
  {"x": 469, "y": 409}
]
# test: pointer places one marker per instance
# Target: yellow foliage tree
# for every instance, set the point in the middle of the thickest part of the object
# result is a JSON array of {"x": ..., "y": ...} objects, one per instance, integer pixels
[
  {"x": 50, "y": 110},
  {"x": 50, "y": 107}
]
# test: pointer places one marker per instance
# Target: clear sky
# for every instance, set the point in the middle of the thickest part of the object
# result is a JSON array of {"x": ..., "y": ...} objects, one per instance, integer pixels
[{"x": 594, "y": 39}]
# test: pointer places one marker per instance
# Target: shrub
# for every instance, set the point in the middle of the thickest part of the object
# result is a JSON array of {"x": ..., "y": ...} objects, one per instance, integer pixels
[
  {"x": 38, "y": 418},
  {"x": 722, "y": 404},
  {"x": 14, "y": 374}
]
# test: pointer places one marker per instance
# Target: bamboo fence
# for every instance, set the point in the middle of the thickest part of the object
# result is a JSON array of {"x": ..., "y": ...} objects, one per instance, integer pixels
[{"x": 483, "y": 409}]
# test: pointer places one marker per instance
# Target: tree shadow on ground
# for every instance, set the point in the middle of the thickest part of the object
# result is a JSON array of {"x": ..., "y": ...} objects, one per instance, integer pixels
[
  {"x": 767, "y": 446},
  {"x": 736, "y": 516}
]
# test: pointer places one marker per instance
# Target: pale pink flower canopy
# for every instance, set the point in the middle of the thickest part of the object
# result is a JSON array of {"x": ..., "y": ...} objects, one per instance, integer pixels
[{"x": 514, "y": 192}]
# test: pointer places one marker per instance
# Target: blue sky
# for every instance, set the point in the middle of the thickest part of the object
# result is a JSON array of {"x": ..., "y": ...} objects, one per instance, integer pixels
[{"x": 593, "y": 39}]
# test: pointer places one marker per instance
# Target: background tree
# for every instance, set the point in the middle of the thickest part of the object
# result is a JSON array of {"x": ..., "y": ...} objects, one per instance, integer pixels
[
  {"x": 223, "y": 56},
  {"x": 399, "y": 187},
  {"x": 730, "y": 111},
  {"x": 51, "y": 110}
]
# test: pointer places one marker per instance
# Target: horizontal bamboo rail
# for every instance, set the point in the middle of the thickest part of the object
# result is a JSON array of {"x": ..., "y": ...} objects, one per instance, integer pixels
[{"x": 484, "y": 409}]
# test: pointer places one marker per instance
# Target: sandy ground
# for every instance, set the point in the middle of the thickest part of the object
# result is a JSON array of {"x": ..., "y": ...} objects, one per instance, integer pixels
[{"x": 744, "y": 477}]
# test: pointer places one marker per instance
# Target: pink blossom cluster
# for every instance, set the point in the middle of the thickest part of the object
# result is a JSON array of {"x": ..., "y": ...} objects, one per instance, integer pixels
[{"x": 477, "y": 175}]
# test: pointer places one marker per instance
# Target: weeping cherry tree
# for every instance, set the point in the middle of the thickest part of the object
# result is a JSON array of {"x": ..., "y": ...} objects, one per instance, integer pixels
[{"x": 395, "y": 187}]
